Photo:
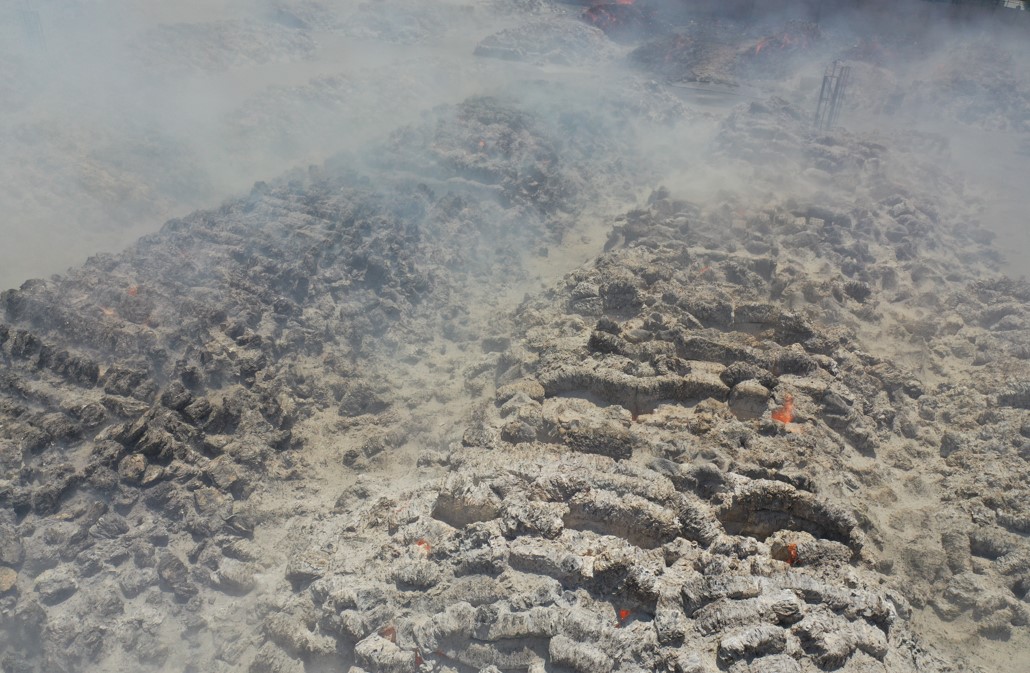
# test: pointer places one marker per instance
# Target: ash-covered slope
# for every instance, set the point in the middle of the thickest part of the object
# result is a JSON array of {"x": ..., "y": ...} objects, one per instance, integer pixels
[
  {"x": 147, "y": 395},
  {"x": 694, "y": 462},
  {"x": 782, "y": 428}
]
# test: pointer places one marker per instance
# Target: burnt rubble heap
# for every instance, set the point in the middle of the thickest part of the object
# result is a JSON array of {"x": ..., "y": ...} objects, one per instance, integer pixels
[{"x": 758, "y": 433}]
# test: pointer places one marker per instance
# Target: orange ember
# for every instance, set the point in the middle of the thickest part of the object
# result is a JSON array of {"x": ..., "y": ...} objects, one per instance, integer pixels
[
  {"x": 785, "y": 414},
  {"x": 792, "y": 554},
  {"x": 423, "y": 545}
]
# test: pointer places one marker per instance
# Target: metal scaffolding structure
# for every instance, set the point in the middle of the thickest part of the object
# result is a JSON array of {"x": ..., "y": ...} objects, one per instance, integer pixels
[{"x": 831, "y": 96}]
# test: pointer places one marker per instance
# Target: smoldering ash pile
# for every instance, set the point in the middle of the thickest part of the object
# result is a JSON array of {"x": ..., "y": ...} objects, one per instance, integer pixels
[{"x": 616, "y": 355}]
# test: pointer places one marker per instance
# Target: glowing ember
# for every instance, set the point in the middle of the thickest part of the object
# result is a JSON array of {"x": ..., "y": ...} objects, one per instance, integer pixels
[
  {"x": 785, "y": 414},
  {"x": 792, "y": 554}
]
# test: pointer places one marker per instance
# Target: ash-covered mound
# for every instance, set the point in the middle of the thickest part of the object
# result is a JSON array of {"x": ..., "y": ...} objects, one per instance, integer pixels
[{"x": 147, "y": 396}]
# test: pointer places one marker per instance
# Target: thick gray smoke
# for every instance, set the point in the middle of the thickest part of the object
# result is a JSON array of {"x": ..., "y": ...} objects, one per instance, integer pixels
[{"x": 118, "y": 115}]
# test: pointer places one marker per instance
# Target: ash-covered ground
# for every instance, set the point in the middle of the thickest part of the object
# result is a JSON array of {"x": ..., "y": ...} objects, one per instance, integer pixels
[{"x": 546, "y": 336}]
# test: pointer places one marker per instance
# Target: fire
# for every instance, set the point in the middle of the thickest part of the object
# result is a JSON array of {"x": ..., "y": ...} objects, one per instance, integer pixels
[
  {"x": 623, "y": 616},
  {"x": 423, "y": 546},
  {"x": 784, "y": 41},
  {"x": 785, "y": 414}
]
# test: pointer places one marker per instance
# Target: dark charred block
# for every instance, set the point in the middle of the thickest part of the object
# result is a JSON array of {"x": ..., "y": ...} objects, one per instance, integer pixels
[
  {"x": 795, "y": 362},
  {"x": 59, "y": 427},
  {"x": 128, "y": 383},
  {"x": 763, "y": 507},
  {"x": 793, "y": 328},
  {"x": 743, "y": 371},
  {"x": 124, "y": 407},
  {"x": 32, "y": 440},
  {"x": 91, "y": 415},
  {"x": 240, "y": 524},
  {"x": 223, "y": 419},
  {"x": 361, "y": 400},
  {"x": 191, "y": 376},
  {"x": 18, "y": 498},
  {"x": 109, "y": 526},
  {"x": 250, "y": 364},
  {"x": 706, "y": 480},
  {"x": 709, "y": 313},
  {"x": 176, "y": 397},
  {"x": 76, "y": 369},
  {"x": 620, "y": 296},
  {"x": 603, "y": 342},
  {"x": 198, "y": 411},
  {"x": 272, "y": 411},
  {"x": 55, "y": 586},
  {"x": 857, "y": 290},
  {"x": 106, "y": 452},
  {"x": 609, "y": 440},
  {"x": 1016, "y": 394},
  {"x": 699, "y": 348},
  {"x": 606, "y": 324},
  {"x": 174, "y": 577},
  {"x": 46, "y": 498},
  {"x": 101, "y": 479},
  {"x": 129, "y": 434},
  {"x": 163, "y": 495},
  {"x": 23, "y": 344},
  {"x": 11, "y": 551}
]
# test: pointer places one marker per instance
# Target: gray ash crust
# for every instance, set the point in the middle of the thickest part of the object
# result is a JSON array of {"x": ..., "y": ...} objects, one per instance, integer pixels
[{"x": 622, "y": 500}]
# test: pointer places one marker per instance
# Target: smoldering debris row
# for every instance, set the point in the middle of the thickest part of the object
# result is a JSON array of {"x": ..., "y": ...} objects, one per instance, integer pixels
[{"x": 778, "y": 424}]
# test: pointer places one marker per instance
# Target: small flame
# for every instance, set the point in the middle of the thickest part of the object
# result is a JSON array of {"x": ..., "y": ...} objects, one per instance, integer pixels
[{"x": 785, "y": 414}]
